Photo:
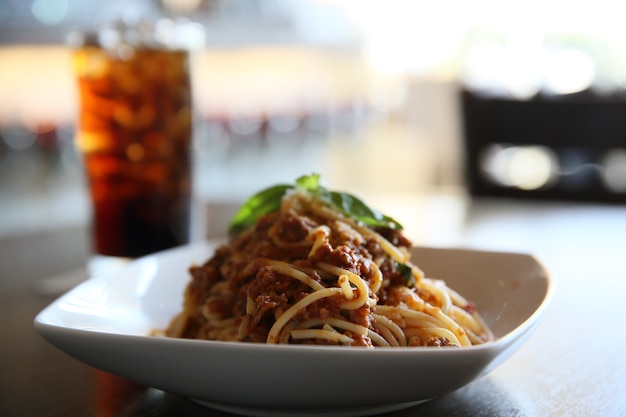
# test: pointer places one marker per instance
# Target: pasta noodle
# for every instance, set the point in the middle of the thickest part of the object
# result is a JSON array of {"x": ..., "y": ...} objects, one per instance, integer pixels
[{"x": 306, "y": 273}]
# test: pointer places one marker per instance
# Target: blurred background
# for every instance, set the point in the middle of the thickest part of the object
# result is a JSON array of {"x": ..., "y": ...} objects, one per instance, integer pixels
[{"x": 434, "y": 103}]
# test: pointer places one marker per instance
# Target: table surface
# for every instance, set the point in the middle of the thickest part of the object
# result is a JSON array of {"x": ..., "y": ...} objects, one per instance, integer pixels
[{"x": 573, "y": 365}]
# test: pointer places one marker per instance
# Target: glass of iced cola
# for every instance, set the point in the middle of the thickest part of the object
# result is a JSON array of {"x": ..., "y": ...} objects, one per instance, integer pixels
[{"x": 134, "y": 134}]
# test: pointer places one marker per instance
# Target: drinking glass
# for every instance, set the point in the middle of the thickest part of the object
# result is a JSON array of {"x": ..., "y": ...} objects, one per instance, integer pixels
[{"x": 134, "y": 134}]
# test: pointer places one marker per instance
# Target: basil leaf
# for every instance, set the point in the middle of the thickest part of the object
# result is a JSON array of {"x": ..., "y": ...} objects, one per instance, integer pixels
[
  {"x": 264, "y": 202},
  {"x": 354, "y": 207},
  {"x": 407, "y": 273},
  {"x": 310, "y": 183},
  {"x": 269, "y": 200}
]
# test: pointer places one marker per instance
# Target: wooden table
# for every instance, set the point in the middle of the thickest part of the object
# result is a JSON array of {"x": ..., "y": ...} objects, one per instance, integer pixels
[{"x": 573, "y": 365}]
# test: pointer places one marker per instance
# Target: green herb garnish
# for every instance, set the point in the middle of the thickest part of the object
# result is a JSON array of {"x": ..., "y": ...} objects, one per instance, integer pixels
[
  {"x": 407, "y": 273},
  {"x": 269, "y": 200},
  {"x": 263, "y": 202}
]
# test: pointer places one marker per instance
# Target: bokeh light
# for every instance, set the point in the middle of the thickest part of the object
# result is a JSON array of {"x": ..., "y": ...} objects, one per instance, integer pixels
[
  {"x": 613, "y": 168},
  {"x": 522, "y": 167},
  {"x": 50, "y": 12}
]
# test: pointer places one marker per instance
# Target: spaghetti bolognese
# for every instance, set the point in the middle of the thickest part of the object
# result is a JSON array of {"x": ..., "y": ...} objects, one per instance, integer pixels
[{"x": 306, "y": 265}]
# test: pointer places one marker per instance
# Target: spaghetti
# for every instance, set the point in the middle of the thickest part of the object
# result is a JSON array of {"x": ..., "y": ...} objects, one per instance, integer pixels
[{"x": 306, "y": 273}]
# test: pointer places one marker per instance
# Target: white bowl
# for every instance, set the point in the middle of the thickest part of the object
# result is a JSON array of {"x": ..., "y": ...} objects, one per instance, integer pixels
[{"x": 106, "y": 321}]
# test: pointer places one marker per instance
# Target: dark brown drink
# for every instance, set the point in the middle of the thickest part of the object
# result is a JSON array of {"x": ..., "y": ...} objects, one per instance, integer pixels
[{"x": 134, "y": 133}]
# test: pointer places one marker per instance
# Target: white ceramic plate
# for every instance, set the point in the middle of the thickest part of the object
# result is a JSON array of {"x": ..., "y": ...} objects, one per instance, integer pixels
[{"x": 105, "y": 322}]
